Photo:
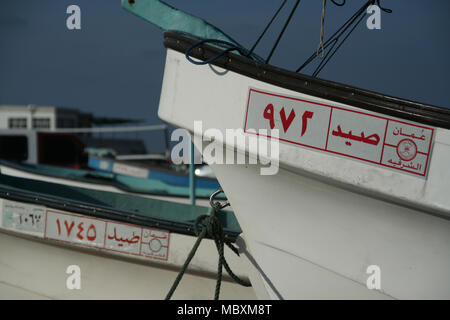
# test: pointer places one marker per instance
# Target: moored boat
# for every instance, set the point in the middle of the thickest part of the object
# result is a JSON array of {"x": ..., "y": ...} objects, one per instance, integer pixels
[
  {"x": 61, "y": 156},
  {"x": 123, "y": 246},
  {"x": 107, "y": 181},
  {"x": 362, "y": 181}
]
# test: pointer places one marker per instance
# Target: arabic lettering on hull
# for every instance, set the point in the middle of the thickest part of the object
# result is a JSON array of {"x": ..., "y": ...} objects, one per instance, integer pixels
[
  {"x": 120, "y": 241},
  {"x": 373, "y": 139},
  {"x": 106, "y": 234},
  {"x": 341, "y": 131}
]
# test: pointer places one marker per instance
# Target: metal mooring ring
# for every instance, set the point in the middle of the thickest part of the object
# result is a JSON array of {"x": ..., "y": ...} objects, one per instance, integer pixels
[{"x": 217, "y": 204}]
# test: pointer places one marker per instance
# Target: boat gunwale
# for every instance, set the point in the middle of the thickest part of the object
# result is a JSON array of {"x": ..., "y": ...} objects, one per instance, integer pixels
[
  {"x": 98, "y": 211},
  {"x": 353, "y": 96}
]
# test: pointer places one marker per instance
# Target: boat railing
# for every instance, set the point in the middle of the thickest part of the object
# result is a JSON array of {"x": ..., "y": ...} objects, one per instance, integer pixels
[{"x": 107, "y": 129}]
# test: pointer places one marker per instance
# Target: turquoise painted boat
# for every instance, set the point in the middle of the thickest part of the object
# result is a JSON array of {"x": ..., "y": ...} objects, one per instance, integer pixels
[
  {"x": 165, "y": 175},
  {"x": 106, "y": 181}
]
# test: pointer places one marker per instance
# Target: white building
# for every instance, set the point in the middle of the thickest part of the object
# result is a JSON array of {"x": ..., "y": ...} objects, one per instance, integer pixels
[
  {"x": 42, "y": 117},
  {"x": 24, "y": 135}
]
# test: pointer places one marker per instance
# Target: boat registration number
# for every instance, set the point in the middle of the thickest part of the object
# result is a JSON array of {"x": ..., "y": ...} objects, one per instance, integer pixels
[
  {"x": 372, "y": 138},
  {"x": 83, "y": 230}
]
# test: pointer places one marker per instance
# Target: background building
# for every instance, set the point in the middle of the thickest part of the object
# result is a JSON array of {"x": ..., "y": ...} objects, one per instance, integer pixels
[
  {"x": 42, "y": 117},
  {"x": 26, "y": 135}
]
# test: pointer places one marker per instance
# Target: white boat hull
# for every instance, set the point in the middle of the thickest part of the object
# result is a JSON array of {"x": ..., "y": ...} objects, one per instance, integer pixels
[
  {"x": 316, "y": 241},
  {"x": 314, "y": 228},
  {"x": 33, "y": 264},
  {"x": 35, "y": 270}
]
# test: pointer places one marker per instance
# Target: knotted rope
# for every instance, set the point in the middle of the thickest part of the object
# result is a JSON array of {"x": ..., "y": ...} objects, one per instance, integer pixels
[{"x": 209, "y": 225}]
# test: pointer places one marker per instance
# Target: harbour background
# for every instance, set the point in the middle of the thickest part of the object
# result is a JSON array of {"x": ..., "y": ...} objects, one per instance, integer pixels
[{"x": 114, "y": 65}]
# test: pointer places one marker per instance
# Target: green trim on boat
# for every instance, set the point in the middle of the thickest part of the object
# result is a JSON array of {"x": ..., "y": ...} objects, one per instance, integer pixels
[{"x": 128, "y": 206}]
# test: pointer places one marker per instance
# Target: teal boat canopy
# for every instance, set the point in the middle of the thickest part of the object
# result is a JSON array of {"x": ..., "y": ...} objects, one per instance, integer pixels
[{"x": 169, "y": 18}]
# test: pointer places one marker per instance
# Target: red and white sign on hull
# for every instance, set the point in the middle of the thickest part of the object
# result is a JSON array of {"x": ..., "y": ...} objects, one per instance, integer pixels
[
  {"x": 107, "y": 235},
  {"x": 375, "y": 139}
]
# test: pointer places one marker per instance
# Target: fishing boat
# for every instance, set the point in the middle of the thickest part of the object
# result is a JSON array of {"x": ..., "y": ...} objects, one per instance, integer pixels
[
  {"x": 155, "y": 188},
  {"x": 60, "y": 156},
  {"x": 168, "y": 173},
  {"x": 359, "y": 207},
  {"x": 119, "y": 246}
]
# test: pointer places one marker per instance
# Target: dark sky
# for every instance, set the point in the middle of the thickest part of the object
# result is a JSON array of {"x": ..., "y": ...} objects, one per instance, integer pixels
[{"x": 113, "y": 66}]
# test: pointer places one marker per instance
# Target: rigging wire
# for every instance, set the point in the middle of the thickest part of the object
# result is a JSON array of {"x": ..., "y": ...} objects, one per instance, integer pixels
[
  {"x": 266, "y": 28},
  {"x": 322, "y": 23},
  {"x": 285, "y": 26},
  {"x": 282, "y": 31},
  {"x": 334, "y": 39},
  {"x": 329, "y": 46},
  {"x": 324, "y": 62}
]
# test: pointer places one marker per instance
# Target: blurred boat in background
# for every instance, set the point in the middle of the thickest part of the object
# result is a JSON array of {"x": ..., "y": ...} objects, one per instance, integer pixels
[
  {"x": 72, "y": 196},
  {"x": 107, "y": 181},
  {"x": 101, "y": 158}
]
